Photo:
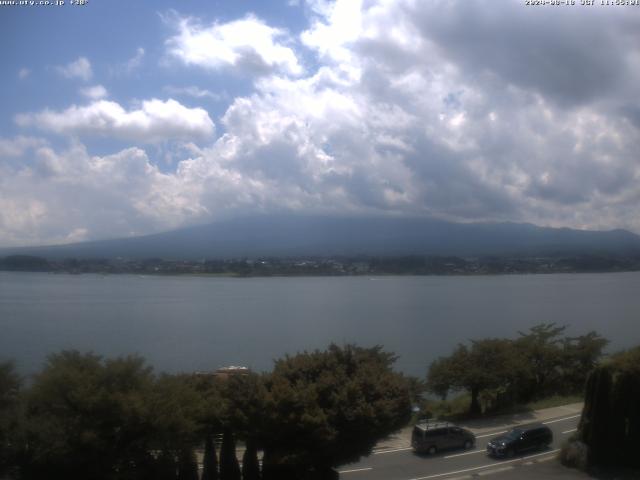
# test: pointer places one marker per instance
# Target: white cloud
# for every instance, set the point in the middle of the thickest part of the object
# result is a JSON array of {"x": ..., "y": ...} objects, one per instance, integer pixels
[
  {"x": 135, "y": 61},
  {"x": 248, "y": 44},
  {"x": 196, "y": 92},
  {"x": 94, "y": 93},
  {"x": 399, "y": 116},
  {"x": 129, "y": 66},
  {"x": 16, "y": 147},
  {"x": 40, "y": 202},
  {"x": 80, "y": 68},
  {"x": 23, "y": 73},
  {"x": 155, "y": 121}
]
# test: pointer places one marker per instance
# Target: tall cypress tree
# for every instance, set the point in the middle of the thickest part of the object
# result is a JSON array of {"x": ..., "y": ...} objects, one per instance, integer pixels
[
  {"x": 210, "y": 462},
  {"x": 229, "y": 467},
  {"x": 250, "y": 465},
  {"x": 597, "y": 411},
  {"x": 268, "y": 466},
  {"x": 610, "y": 424},
  {"x": 187, "y": 465},
  {"x": 165, "y": 466}
]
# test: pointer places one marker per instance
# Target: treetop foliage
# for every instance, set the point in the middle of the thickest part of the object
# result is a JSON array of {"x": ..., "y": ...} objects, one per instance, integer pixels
[
  {"x": 538, "y": 363},
  {"x": 86, "y": 416},
  {"x": 332, "y": 406}
]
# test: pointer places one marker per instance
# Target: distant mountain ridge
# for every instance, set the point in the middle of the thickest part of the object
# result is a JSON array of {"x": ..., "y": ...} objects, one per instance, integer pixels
[{"x": 298, "y": 235}]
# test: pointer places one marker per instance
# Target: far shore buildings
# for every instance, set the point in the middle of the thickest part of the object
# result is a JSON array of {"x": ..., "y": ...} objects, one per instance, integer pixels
[{"x": 223, "y": 373}]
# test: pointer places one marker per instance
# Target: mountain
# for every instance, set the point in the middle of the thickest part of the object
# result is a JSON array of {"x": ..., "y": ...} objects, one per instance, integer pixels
[{"x": 297, "y": 235}]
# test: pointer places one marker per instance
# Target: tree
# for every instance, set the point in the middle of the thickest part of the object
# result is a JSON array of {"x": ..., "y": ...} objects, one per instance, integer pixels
[
  {"x": 229, "y": 467},
  {"x": 87, "y": 417},
  {"x": 9, "y": 415},
  {"x": 250, "y": 465},
  {"x": 610, "y": 423},
  {"x": 245, "y": 401},
  {"x": 176, "y": 413},
  {"x": 210, "y": 461},
  {"x": 166, "y": 467},
  {"x": 187, "y": 465},
  {"x": 487, "y": 364},
  {"x": 580, "y": 356},
  {"x": 542, "y": 349},
  {"x": 245, "y": 398},
  {"x": 327, "y": 408}
]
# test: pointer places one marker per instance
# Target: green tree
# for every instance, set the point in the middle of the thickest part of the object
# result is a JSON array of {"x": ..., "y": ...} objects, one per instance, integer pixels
[
  {"x": 580, "y": 356},
  {"x": 541, "y": 347},
  {"x": 9, "y": 416},
  {"x": 245, "y": 401},
  {"x": 87, "y": 417},
  {"x": 177, "y": 412},
  {"x": 486, "y": 364},
  {"x": 327, "y": 408},
  {"x": 165, "y": 467},
  {"x": 610, "y": 423},
  {"x": 245, "y": 404},
  {"x": 250, "y": 465},
  {"x": 444, "y": 372},
  {"x": 187, "y": 465},
  {"x": 229, "y": 467},
  {"x": 210, "y": 461}
]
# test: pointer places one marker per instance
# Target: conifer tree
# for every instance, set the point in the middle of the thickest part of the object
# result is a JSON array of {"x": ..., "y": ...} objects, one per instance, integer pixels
[
  {"x": 229, "y": 467},
  {"x": 187, "y": 465},
  {"x": 250, "y": 465},
  {"x": 166, "y": 467},
  {"x": 210, "y": 462}
]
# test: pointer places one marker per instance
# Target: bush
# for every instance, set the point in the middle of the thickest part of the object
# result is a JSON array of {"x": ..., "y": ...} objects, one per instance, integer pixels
[
  {"x": 574, "y": 454},
  {"x": 610, "y": 424}
]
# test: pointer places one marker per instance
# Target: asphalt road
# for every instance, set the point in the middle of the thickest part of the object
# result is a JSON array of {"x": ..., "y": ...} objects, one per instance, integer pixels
[{"x": 404, "y": 464}]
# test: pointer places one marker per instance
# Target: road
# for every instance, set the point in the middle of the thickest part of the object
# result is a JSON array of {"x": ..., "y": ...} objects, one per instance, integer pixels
[{"x": 403, "y": 464}]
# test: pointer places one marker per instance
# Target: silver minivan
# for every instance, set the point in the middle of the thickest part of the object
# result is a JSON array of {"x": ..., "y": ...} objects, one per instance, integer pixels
[{"x": 431, "y": 437}]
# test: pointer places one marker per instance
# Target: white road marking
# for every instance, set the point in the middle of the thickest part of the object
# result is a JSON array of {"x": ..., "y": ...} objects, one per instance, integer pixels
[
  {"x": 465, "y": 453},
  {"x": 486, "y": 466},
  {"x": 356, "y": 470},
  {"x": 569, "y": 431},
  {"x": 391, "y": 451},
  {"x": 495, "y": 470},
  {"x": 561, "y": 419}
]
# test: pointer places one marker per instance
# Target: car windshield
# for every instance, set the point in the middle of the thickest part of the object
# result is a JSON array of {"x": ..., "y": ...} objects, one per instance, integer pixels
[{"x": 513, "y": 434}]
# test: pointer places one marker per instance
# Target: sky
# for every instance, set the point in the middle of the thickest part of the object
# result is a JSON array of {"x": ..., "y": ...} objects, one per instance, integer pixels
[{"x": 121, "y": 118}]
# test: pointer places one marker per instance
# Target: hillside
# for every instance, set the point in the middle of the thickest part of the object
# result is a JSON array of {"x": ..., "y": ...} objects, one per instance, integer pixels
[{"x": 291, "y": 236}]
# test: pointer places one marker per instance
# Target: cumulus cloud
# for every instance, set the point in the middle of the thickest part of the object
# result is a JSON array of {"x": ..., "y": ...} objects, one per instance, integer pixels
[
  {"x": 94, "y": 93},
  {"x": 542, "y": 51},
  {"x": 61, "y": 196},
  {"x": 248, "y": 45},
  {"x": 80, "y": 68},
  {"x": 70, "y": 195},
  {"x": 196, "y": 92},
  {"x": 405, "y": 112},
  {"x": 18, "y": 146},
  {"x": 154, "y": 121}
]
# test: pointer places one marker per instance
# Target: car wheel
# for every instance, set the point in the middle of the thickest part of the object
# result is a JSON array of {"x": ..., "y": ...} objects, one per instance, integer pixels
[
  {"x": 468, "y": 445},
  {"x": 432, "y": 450}
]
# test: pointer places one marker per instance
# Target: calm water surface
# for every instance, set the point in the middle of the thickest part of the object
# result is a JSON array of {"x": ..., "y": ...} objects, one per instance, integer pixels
[{"x": 202, "y": 323}]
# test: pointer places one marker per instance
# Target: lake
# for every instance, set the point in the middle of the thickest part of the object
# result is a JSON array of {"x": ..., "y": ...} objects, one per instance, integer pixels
[{"x": 189, "y": 323}]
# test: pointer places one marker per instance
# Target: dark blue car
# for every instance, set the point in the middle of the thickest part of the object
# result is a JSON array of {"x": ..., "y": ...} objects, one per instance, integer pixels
[{"x": 520, "y": 439}]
